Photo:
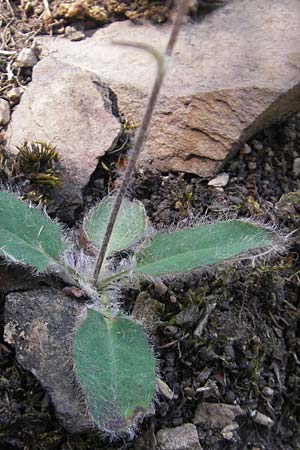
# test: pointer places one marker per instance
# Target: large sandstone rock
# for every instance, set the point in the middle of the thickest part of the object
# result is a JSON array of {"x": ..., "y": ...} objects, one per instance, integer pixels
[
  {"x": 235, "y": 72},
  {"x": 70, "y": 108}
]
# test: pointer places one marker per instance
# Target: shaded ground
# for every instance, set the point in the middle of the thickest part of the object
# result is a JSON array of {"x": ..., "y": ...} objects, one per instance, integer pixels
[{"x": 249, "y": 352}]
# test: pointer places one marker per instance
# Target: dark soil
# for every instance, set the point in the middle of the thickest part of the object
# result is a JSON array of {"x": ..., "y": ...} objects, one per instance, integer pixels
[{"x": 249, "y": 352}]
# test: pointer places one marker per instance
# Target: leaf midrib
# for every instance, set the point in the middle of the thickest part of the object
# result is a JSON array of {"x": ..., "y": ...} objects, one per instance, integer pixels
[
  {"x": 37, "y": 248},
  {"x": 187, "y": 253}
]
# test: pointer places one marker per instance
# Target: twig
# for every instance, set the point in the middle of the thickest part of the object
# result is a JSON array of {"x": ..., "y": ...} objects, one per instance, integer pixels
[
  {"x": 203, "y": 321},
  {"x": 142, "y": 132}
]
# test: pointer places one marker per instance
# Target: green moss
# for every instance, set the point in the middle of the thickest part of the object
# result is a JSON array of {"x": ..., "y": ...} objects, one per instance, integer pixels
[{"x": 35, "y": 169}]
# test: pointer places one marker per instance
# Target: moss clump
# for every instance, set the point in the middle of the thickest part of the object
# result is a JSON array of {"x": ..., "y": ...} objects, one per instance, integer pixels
[
  {"x": 35, "y": 169},
  {"x": 103, "y": 11}
]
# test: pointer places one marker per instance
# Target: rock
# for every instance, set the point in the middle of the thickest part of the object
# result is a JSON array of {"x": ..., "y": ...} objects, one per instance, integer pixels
[
  {"x": 70, "y": 108},
  {"x": 188, "y": 315},
  {"x": 296, "y": 167},
  {"x": 39, "y": 324},
  {"x": 4, "y": 112},
  {"x": 217, "y": 415},
  {"x": 268, "y": 392},
  {"x": 220, "y": 180},
  {"x": 15, "y": 93},
  {"x": 15, "y": 278},
  {"x": 164, "y": 389},
  {"x": 262, "y": 419},
  {"x": 288, "y": 205},
  {"x": 144, "y": 311},
  {"x": 232, "y": 75},
  {"x": 228, "y": 431},
  {"x": 74, "y": 34},
  {"x": 27, "y": 58},
  {"x": 184, "y": 437}
]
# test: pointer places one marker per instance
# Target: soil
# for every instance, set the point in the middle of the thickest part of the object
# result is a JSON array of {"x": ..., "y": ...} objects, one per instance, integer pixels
[{"x": 249, "y": 351}]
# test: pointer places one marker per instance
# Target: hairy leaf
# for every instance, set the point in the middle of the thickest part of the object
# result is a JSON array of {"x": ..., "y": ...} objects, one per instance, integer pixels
[
  {"x": 115, "y": 368},
  {"x": 27, "y": 235},
  {"x": 128, "y": 228},
  {"x": 185, "y": 250}
]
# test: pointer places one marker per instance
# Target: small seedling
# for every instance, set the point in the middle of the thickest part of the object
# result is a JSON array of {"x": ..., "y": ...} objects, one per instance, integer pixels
[{"x": 113, "y": 361}]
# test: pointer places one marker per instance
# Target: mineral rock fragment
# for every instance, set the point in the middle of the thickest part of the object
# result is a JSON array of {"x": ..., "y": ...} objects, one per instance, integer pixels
[
  {"x": 4, "y": 112},
  {"x": 27, "y": 58},
  {"x": 232, "y": 74},
  {"x": 39, "y": 325},
  {"x": 184, "y": 437},
  {"x": 217, "y": 415}
]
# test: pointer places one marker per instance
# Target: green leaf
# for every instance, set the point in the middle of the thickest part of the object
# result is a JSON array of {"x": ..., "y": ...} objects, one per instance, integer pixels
[
  {"x": 115, "y": 368},
  {"x": 128, "y": 228},
  {"x": 185, "y": 250},
  {"x": 27, "y": 235}
]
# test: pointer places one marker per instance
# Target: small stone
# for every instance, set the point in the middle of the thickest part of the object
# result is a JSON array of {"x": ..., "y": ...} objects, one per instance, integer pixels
[
  {"x": 184, "y": 437},
  {"x": 160, "y": 288},
  {"x": 228, "y": 436},
  {"x": 220, "y": 180},
  {"x": 4, "y": 112},
  {"x": 217, "y": 415},
  {"x": 252, "y": 165},
  {"x": 15, "y": 93},
  {"x": 144, "y": 311},
  {"x": 231, "y": 427},
  {"x": 257, "y": 145},
  {"x": 262, "y": 419},
  {"x": 268, "y": 392},
  {"x": 246, "y": 149},
  {"x": 27, "y": 58},
  {"x": 212, "y": 390},
  {"x": 229, "y": 350},
  {"x": 296, "y": 166},
  {"x": 173, "y": 298},
  {"x": 188, "y": 315},
  {"x": 164, "y": 389},
  {"x": 74, "y": 34},
  {"x": 230, "y": 397}
]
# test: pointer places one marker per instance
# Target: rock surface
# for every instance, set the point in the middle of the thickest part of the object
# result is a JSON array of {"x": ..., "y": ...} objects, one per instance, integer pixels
[
  {"x": 70, "y": 108},
  {"x": 184, "y": 437},
  {"x": 27, "y": 58},
  {"x": 4, "y": 112},
  {"x": 39, "y": 324},
  {"x": 217, "y": 415},
  {"x": 234, "y": 73},
  {"x": 14, "y": 278}
]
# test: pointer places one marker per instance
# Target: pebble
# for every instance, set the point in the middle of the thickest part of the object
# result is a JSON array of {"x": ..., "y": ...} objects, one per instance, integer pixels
[
  {"x": 229, "y": 350},
  {"x": 27, "y": 58},
  {"x": 268, "y": 392},
  {"x": 220, "y": 180},
  {"x": 246, "y": 149},
  {"x": 252, "y": 165},
  {"x": 184, "y": 437},
  {"x": 15, "y": 93},
  {"x": 230, "y": 397},
  {"x": 257, "y": 145},
  {"x": 73, "y": 34},
  {"x": 4, "y": 112},
  {"x": 262, "y": 419},
  {"x": 227, "y": 432},
  {"x": 160, "y": 288},
  {"x": 296, "y": 167},
  {"x": 216, "y": 415}
]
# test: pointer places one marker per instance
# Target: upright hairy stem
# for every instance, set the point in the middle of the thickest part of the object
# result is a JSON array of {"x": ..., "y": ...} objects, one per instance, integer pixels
[{"x": 142, "y": 132}]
